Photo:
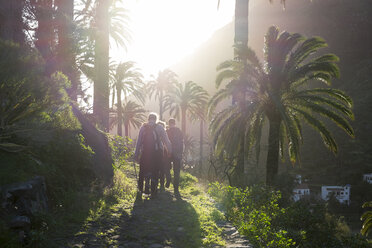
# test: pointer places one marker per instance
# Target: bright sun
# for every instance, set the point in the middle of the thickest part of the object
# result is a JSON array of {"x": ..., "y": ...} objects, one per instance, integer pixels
[{"x": 165, "y": 31}]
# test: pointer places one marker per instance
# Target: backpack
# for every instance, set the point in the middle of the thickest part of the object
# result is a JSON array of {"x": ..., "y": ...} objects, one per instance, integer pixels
[
  {"x": 176, "y": 138},
  {"x": 150, "y": 139}
]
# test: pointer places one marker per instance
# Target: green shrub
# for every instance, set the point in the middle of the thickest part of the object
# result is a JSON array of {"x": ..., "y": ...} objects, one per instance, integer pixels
[
  {"x": 252, "y": 210},
  {"x": 121, "y": 149},
  {"x": 186, "y": 180},
  {"x": 258, "y": 215}
]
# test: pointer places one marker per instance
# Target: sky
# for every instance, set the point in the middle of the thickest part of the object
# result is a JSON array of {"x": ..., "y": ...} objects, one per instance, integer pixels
[{"x": 165, "y": 31}]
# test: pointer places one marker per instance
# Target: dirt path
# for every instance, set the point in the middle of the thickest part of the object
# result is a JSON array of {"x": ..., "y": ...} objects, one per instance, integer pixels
[{"x": 165, "y": 221}]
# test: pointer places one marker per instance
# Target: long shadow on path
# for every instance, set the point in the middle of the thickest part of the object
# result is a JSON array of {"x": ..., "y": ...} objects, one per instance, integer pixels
[{"x": 161, "y": 222}]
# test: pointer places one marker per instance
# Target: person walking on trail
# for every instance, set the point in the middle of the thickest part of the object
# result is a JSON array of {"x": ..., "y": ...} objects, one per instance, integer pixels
[
  {"x": 149, "y": 152},
  {"x": 164, "y": 173},
  {"x": 176, "y": 138}
]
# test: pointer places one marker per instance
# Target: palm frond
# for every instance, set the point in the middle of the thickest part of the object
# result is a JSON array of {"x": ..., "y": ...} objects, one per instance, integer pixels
[
  {"x": 336, "y": 118},
  {"x": 321, "y": 128}
]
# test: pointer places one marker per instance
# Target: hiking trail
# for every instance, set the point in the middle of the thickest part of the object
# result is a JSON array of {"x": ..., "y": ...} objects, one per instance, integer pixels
[{"x": 165, "y": 221}]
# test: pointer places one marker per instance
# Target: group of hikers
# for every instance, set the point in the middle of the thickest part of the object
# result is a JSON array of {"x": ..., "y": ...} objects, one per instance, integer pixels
[{"x": 157, "y": 148}]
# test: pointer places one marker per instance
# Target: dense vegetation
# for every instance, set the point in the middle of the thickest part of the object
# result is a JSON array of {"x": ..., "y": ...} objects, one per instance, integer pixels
[
  {"x": 49, "y": 127},
  {"x": 260, "y": 214}
]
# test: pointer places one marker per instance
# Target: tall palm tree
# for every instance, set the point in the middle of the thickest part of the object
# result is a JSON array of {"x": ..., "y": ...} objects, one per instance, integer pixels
[
  {"x": 281, "y": 91},
  {"x": 128, "y": 80},
  {"x": 241, "y": 20},
  {"x": 160, "y": 86},
  {"x": 201, "y": 116},
  {"x": 104, "y": 18},
  {"x": 186, "y": 99},
  {"x": 241, "y": 39},
  {"x": 101, "y": 65},
  {"x": 12, "y": 21},
  {"x": 65, "y": 49},
  {"x": 132, "y": 115}
]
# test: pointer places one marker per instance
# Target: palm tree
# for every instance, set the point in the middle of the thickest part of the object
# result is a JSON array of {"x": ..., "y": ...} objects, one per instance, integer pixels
[
  {"x": 12, "y": 21},
  {"x": 241, "y": 20},
  {"x": 132, "y": 115},
  {"x": 128, "y": 80},
  {"x": 104, "y": 20},
  {"x": 160, "y": 86},
  {"x": 201, "y": 117},
  {"x": 280, "y": 91},
  {"x": 65, "y": 49},
  {"x": 186, "y": 99},
  {"x": 101, "y": 65},
  {"x": 241, "y": 39}
]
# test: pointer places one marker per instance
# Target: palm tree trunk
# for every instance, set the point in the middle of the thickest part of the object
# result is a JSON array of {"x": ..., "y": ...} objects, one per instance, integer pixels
[
  {"x": 44, "y": 33},
  {"x": 66, "y": 56},
  {"x": 126, "y": 128},
  {"x": 241, "y": 38},
  {"x": 241, "y": 22},
  {"x": 272, "y": 162},
  {"x": 161, "y": 106},
  {"x": 183, "y": 113},
  {"x": 113, "y": 97},
  {"x": 119, "y": 109},
  {"x": 11, "y": 26},
  {"x": 201, "y": 146},
  {"x": 101, "y": 66}
]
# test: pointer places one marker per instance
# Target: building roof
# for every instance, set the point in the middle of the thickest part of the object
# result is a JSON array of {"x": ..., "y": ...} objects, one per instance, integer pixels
[{"x": 302, "y": 186}]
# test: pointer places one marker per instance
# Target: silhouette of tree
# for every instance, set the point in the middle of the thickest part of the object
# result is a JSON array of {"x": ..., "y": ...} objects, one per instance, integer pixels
[
  {"x": 132, "y": 115},
  {"x": 160, "y": 86},
  {"x": 128, "y": 80},
  {"x": 280, "y": 91},
  {"x": 186, "y": 99}
]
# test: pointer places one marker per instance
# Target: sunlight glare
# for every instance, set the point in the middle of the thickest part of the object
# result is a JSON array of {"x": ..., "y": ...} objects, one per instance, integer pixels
[{"x": 165, "y": 31}]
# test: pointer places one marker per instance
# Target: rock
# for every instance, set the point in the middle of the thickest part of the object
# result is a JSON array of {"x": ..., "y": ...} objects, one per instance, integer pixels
[
  {"x": 180, "y": 229},
  {"x": 25, "y": 198},
  {"x": 230, "y": 231}
]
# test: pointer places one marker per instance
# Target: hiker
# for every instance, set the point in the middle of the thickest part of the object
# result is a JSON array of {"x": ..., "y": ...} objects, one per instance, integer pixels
[
  {"x": 149, "y": 152},
  {"x": 176, "y": 138},
  {"x": 164, "y": 173}
]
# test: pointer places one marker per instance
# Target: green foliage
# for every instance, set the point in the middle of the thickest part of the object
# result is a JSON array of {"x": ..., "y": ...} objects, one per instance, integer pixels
[
  {"x": 367, "y": 219},
  {"x": 66, "y": 163},
  {"x": 208, "y": 216},
  {"x": 28, "y": 98},
  {"x": 121, "y": 149},
  {"x": 253, "y": 210},
  {"x": 186, "y": 180},
  {"x": 257, "y": 214}
]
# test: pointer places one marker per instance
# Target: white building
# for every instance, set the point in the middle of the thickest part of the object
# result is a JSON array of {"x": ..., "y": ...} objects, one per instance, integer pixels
[
  {"x": 342, "y": 194},
  {"x": 368, "y": 178},
  {"x": 298, "y": 179},
  {"x": 300, "y": 191}
]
